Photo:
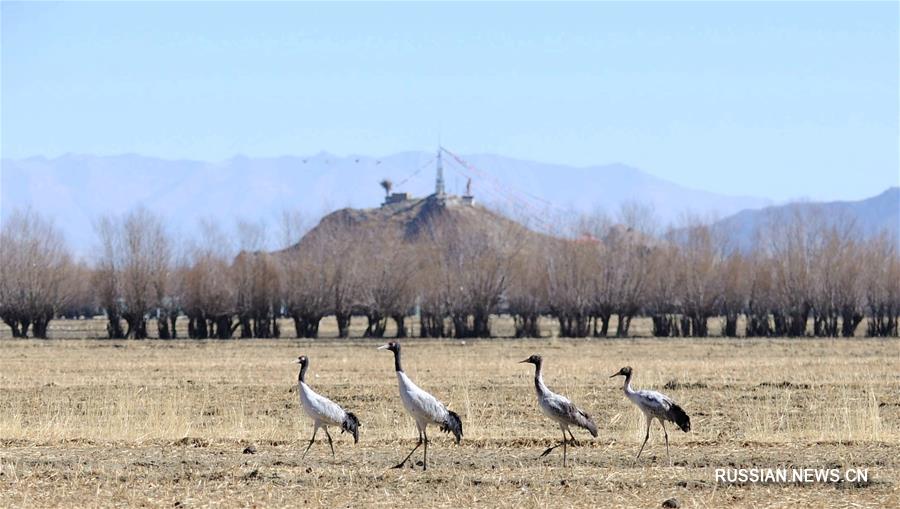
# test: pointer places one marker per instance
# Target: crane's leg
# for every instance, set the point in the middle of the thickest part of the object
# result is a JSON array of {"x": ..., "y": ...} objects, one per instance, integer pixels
[
  {"x": 646, "y": 437},
  {"x": 425, "y": 458},
  {"x": 666, "y": 433},
  {"x": 327, "y": 434},
  {"x": 574, "y": 442},
  {"x": 563, "y": 443},
  {"x": 547, "y": 451},
  {"x": 311, "y": 440},
  {"x": 400, "y": 465}
]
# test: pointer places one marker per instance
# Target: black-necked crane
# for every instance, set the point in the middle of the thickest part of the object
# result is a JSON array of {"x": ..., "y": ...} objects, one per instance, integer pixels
[
  {"x": 323, "y": 411},
  {"x": 559, "y": 408},
  {"x": 423, "y": 407},
  {"x": 654, "y": 405}
]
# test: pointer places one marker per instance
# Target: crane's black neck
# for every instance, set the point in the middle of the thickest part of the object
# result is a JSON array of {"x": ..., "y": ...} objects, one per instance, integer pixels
[
  {"x": 397, "y": 365},
  {"x": 538, "y": 378},
  {"x": 302, "y": 376}
]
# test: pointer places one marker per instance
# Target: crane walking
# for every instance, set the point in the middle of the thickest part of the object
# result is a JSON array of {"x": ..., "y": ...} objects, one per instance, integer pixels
[
  {"x": 654, "y": 405},
  {"x": 423, "y": 407},
  {"x": 323, "y": 411},
  {"x": 559, "y": 408}
]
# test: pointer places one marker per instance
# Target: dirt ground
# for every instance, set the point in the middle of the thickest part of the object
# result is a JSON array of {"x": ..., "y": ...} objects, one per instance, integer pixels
[{"x": 173, "y": 423}]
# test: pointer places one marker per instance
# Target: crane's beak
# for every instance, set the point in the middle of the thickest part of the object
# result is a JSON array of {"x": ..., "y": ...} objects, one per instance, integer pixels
[
  {"x": 617, "y": 374},
  {"x": 526, "y": 360},
  {"x": 295, "y": 361},
  {"x": 383, "y": 347}
]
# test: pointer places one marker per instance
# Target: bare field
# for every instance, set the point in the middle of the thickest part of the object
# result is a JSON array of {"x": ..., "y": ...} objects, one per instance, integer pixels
[{"x": 165, "y": 423}]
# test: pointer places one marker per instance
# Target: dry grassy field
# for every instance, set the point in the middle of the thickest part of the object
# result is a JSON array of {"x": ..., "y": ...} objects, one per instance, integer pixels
[{"x": 153, "y": 423}]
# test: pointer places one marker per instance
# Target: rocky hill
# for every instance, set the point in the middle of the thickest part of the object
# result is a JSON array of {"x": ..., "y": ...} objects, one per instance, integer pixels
[{"x": 415, "y": 219}]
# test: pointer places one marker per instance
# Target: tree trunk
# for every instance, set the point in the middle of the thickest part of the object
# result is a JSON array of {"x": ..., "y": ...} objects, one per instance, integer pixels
[
  {"x": 375, "y": 325},
  {"x": 623, "y": 326},
  {"x": 114, "y": 326},
  {"x": 13, "y": 324},
  {"x": 758, "y": 325},
  {"x": 306, "y": 326},
  {"x": 246, "y": 327},
  {"x": 431, "y": 326},
  {"x": 729, "y": 330},
  {"x": 602, "y": 317},
  {"x": 162, "y": 327},
  {"x": 661, "y": 325},
  {"x": 343, "y": 323},
  {"x": 400, "y": 320},
  {"x": 41, "y": 324},
  {"x": 527, "y": 325},
  {"x": 699, "y": 324},
  {"x": 685, "y": 326},
  {"x": 481, "y": 324}
]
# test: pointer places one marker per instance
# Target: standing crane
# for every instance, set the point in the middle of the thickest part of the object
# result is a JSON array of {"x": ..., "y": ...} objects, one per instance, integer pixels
[
  {"x": 323, "y": 411},
  {"x": 559, "y": 408},
  {"x": 423, "y": 407},
  {"x": 654, "y": 405}
]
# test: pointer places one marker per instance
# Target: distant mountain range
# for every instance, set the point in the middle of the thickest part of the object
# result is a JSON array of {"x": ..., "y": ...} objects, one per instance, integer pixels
[
  {"x": 77, "y": 189},
  {"x": 870, "y": 216}
]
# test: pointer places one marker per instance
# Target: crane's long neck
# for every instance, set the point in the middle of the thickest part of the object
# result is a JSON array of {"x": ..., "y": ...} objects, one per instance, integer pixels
[
  {"x": 539, "y": 380},
  {"x": 627, "y": 385},
  {"x": 397, "y": 365},
  {"x": 302, "y": 377}
]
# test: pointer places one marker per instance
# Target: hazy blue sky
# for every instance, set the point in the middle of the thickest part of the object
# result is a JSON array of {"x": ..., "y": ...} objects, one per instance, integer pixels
[{"x": 771, "y": 99}]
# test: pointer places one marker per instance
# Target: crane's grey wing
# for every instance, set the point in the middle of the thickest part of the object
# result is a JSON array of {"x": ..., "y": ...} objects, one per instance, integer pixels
[
  {"x": 561, "y": 406},
  {"x": 664, "y": 407},
  {"x": 430, "y": 407},
  {"x": 422, "y": 404},
  {"x": 658, "y": 404},
  {"x": 327, "y": 409}
]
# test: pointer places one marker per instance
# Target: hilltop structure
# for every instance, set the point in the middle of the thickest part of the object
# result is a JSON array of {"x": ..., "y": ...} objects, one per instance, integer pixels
[
  {"x": 440, "y": 197},
  {"x": 412, "y": 219}
]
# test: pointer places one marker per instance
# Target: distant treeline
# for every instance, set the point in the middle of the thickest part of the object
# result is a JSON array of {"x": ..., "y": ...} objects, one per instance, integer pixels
[{"x": 808, "y": 275}]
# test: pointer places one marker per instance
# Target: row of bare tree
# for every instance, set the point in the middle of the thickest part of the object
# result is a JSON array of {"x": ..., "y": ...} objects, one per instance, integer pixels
[
  {"x": 808, "y": 275},
  {"x": 805, "y": 275}
]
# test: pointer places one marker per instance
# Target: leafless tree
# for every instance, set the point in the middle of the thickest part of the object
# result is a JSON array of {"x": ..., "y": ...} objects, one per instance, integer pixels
[
  {"x": 386, "y": 286},
  {"x": 760, "y": 291},
  {"x": 837, "y": 302},
  {"x": 735, "y": 288},
  {"x": 207, "y": 291},
  {"x": 342, "y": 268},
  {"x": 35, "y": 270},
  {"x": 327, "y": 270},
  {"x": 133, "y": 269},
  {"x": 697, "y": 264},
  {"x": 882, "y": 293},
  {"x": 570, "y": 267},
  {"x": 255, "y": 277},
  {"x": 627, "y": 250},
  {"x": 662, "y": 302},
  {"x": 433, "y": 293},
  {"x": 526, "y": 292},
  {"x": 81, "y": 301},
  {"x": 793, "y": 243},
  {"x": 303, "y": 288}
]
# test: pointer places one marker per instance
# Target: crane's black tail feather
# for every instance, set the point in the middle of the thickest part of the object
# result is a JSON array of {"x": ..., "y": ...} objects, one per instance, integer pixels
[
  {"x": 680, "y": 418},
  {"x": 351, "y": 425},
  {"x": 453, "y": 425},
  {"x": 584, "y": 420}
]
